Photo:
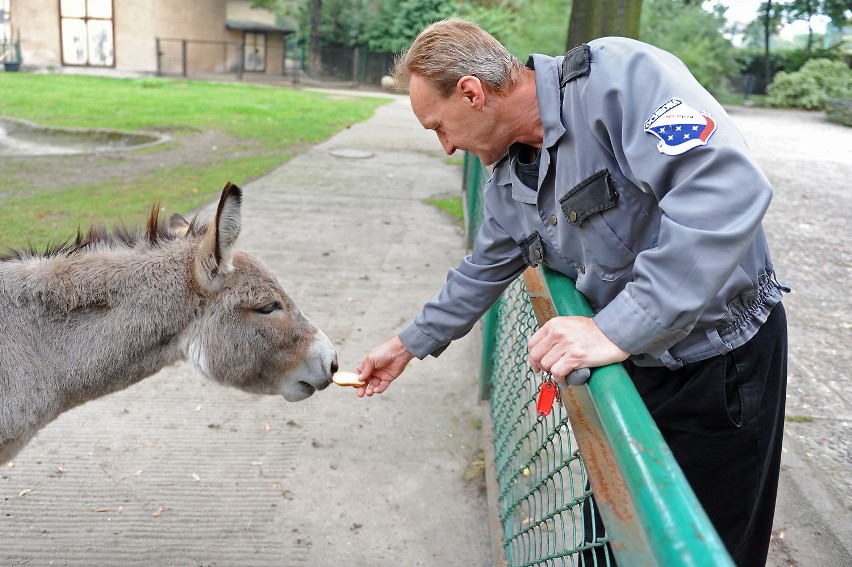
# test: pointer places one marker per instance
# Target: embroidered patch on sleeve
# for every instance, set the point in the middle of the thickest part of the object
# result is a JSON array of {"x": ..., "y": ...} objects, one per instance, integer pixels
[{"x": 679, "y": 127}]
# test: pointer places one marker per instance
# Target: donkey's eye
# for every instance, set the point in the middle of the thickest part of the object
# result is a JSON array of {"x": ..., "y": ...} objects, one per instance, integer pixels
[{"x": 269, "y": 308}]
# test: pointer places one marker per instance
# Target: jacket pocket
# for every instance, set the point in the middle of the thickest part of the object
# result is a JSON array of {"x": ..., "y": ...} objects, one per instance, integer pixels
[{"x": 584, "y": 206}]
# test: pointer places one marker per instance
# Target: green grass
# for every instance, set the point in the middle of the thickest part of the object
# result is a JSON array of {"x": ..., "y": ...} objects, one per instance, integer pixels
[
  {"x": 54, "y": 216},
  {"x": 799, "y": 418},
  {"x": 450, "y": 205},
  {"x": 273, "y": 121},
  {"x": 276, "y": 116}
]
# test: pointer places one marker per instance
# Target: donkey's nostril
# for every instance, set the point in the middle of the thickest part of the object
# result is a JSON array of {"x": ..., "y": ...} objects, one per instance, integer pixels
[{"x": 334, "y": 366}]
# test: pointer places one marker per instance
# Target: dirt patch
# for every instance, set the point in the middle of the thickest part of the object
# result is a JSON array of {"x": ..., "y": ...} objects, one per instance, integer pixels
[{"x": 188, "y": 148}]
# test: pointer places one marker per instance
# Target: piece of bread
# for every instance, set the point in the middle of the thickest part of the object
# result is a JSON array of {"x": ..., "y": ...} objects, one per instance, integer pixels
[{"x": 347, "y": 379}]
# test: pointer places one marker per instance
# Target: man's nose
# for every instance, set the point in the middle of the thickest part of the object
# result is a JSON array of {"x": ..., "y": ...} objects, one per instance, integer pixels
[{"x": 449, "y": 149}]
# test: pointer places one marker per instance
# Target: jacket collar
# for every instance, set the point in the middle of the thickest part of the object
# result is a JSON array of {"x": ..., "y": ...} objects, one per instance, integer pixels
[
  {"x": 549, "y": 100},
  {"x": 549, "y": 96}
]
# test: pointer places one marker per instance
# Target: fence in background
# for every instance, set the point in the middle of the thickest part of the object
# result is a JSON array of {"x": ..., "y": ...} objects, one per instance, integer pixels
[
  {"x": 600, "y": 441},
  {"x": 203, "y": 59},
  {"x": 10, "y": 54},
  {"x": 356, "y": 64}
]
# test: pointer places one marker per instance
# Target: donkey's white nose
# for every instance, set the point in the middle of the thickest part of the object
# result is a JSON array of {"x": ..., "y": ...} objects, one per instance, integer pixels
[{"x": 314, "y": 373}]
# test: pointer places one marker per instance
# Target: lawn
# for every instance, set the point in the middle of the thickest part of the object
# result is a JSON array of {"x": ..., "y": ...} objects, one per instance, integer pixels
[{"x": 47, "y": 199}]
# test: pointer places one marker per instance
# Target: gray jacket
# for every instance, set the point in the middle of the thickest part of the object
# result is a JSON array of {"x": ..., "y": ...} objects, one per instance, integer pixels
[{"x": 647, "y": 196}]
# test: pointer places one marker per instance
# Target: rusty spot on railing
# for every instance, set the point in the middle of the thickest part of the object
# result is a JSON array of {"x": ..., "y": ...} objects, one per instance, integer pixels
[{"x": 609, "y": 487}]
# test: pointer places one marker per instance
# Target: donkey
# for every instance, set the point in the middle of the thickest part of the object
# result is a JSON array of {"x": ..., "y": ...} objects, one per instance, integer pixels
[{"x": 83, "y": 320}]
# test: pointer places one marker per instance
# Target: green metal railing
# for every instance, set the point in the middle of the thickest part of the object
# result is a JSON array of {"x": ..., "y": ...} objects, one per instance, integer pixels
[{"x": 599, "y": 452}]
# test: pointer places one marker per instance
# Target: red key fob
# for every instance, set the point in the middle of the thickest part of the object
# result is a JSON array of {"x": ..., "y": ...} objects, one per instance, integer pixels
[{"x": 546, "y": 396}]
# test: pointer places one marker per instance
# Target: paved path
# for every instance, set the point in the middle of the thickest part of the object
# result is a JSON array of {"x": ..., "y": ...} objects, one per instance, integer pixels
[
  {"x": 809, "y": 226},
  {"x": 177, "y": 471}
]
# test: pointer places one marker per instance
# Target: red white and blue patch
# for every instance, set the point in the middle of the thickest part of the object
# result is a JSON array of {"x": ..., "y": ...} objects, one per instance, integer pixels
[{"x": 679, "y": 127}]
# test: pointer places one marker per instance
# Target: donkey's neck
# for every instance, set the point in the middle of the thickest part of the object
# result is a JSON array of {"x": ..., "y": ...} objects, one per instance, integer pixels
[{"x": 79, "y": 327}]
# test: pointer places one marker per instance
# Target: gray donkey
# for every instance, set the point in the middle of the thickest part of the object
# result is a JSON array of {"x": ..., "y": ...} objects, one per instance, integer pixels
[{"x": 90, "y": 318}]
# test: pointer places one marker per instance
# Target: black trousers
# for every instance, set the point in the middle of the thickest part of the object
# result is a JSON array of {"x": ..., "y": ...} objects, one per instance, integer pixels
[{"x": 723, "y": 419}]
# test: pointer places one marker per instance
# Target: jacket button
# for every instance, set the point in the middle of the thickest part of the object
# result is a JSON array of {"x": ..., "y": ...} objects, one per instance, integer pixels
[
  {"x": 538, "y": 254},
  {"x": 553, "y": 220},
  {"x": 572, "y": 216},
  {"x": 582, "y": 268}
]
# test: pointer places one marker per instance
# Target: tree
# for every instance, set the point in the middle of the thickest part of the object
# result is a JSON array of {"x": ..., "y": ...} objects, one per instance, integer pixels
[
  {"x": 838, "y": 11},
  {"x": 770, "y": 18},
  {"x": 803, "y": 10},
  {"x": 399, "y": 22},
  {"x": 591, "y": 19},
  {"x": 314, "y": 52},
  {"x": 523, "y": 26},
  {"x": 694, "y": 35}
]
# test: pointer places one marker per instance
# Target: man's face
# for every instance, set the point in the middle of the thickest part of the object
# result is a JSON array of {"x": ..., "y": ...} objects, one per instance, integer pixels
[{"x": 458, "y": 123}]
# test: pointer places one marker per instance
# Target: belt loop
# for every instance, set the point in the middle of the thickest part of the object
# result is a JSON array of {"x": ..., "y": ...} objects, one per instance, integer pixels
[{"x": 716, "y": 340}]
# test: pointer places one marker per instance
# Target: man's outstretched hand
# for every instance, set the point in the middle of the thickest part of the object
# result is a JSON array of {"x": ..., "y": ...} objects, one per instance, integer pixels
[{"x": 381, "y": 366}]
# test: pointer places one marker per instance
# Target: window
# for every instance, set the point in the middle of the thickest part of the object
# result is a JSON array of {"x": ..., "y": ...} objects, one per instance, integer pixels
[
  {"x": 5, "y": 22},
  {"x": 87, "y": 32},
  {"x": 254, "y": 57}
]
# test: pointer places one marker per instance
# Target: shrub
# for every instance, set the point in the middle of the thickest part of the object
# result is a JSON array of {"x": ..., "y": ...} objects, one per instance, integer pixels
[{"x": 817, "y": 81}]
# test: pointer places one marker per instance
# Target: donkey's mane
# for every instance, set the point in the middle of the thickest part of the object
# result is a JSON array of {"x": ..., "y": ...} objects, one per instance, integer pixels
[{"x": 155, "y": 233}]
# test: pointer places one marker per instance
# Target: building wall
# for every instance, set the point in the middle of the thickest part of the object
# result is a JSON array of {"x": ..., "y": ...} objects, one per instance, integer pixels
[
  {"x": 196, "y": 21},
  {"x": 37, "y": 22},
  {"x": 241, "y": 11},
  {"x": 137, "y": 24},
  {"x": 191, "y": 19},
  {"x": 135, "y": 30}
]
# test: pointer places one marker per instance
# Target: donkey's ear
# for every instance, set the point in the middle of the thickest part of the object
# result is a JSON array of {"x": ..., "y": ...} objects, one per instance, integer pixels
[{"x": 217, "y": 246}]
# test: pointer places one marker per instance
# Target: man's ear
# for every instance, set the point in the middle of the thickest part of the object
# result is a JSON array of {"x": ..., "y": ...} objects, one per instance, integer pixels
[{"x": 472, "y": 89}]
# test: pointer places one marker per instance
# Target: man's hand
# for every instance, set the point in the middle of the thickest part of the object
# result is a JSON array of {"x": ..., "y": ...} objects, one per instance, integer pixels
[
  {"x": 381, "y": 366},
  {"x": 564, "y": 344}
]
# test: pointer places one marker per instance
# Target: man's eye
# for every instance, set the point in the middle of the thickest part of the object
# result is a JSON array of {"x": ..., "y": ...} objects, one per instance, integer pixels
[{"x": 269, "y": 308}]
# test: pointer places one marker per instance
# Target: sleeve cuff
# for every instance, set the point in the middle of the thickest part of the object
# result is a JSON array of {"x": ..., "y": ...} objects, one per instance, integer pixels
[
  {"x": 419, "y": 343},
  {"x": 633, "y": 330}
]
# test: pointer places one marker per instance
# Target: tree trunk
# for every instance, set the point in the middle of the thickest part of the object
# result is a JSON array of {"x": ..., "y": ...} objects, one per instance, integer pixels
[
  {"x": 591, "y": 19},
  {"x": 767, "y": 25},
  {"x": 314, "y": 50}
]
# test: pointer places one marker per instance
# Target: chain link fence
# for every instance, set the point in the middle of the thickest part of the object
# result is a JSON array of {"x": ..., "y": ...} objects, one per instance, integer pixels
[{"x": 543, "y": 483}]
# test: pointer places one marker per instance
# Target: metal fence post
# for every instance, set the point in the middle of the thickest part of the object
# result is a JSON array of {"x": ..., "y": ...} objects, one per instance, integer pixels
[
  {"x": 241, "y": 52},
  {"x": 356, "y": 65},
  {"x": 183, "y": 58},
  {"x": 490, "y": 322},
  {"x": 472, "y": 191}
]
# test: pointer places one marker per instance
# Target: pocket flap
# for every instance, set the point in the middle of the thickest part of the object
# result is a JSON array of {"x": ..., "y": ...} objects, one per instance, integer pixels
[{"x": 590, "y": 196}]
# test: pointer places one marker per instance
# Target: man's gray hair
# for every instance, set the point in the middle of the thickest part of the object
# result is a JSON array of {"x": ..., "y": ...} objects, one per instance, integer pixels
[{"x": 450, "y": 49}]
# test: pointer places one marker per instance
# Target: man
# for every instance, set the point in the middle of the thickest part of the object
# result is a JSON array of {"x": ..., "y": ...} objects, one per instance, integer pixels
[{"x": 616, "y": 168}]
